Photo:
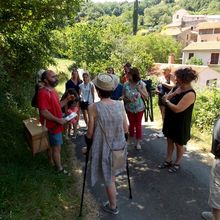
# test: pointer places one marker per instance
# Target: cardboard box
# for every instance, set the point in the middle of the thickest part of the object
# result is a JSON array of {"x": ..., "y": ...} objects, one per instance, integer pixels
[{"x": 36, "y": 134}]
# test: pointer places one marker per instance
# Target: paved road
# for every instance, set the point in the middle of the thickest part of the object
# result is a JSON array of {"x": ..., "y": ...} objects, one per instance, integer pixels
[{"x": 157, "y": 195}]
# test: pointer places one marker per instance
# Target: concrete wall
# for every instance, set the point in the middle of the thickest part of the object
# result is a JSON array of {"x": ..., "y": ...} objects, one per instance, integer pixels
[
  {"x": 204, "y": 55},
  {"x": 207, "y": 74},
  {"x": 208, "y": 37},
  {"x": 182, "y": 37}
]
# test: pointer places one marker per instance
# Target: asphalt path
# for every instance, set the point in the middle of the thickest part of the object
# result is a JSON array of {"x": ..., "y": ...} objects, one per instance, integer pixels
[{"x": 157, "y": 195}]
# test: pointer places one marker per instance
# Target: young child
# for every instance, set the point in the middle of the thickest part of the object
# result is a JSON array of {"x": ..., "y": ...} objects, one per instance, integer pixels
[{"x": 70, "y": 107}]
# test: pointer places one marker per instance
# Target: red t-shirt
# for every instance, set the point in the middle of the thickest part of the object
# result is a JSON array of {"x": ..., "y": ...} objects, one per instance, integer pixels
[{"x": 49, "y": 99}]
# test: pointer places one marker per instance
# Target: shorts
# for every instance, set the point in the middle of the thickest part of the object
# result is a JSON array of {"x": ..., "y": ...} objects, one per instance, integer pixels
[
  {"x": 55, "y": 139},
  {"x": 214, "y": 196}
]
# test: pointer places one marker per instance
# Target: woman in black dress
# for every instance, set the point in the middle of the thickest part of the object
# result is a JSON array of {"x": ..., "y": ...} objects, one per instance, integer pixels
[
  {"x": 74, "y": 82},
  {"x": 178, "y": 116}
]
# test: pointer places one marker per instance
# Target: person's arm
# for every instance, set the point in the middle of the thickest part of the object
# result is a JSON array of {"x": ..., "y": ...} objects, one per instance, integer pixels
[
  {"x": 44, "y": 104},
  {"x": 124, "y": 97},
  {"x": 173, "y": 92},
  {"x": 125, "y": 122},
  {"x": 184, "y": 103},
  {"x": 91, "y": 124},
  {"x": 66, "y": 100},
  {"x": 93, "y": 93},
  {"x": 80, "y": 91},
  {"x": 48, "y": 116},
  {"x": 67, "y": 86},
  {"x": 143, "y": 91},
  {"x": 171, "y": 84}
]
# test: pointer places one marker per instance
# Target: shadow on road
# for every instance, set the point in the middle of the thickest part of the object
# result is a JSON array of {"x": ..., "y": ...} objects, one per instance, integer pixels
[{"x": 157, "y": 195}]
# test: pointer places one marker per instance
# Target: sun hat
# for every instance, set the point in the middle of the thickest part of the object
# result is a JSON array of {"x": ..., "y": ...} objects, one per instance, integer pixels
[{"x": 104, "y": 82}]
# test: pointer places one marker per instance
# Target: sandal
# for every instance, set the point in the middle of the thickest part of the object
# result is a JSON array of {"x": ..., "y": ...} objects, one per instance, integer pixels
[
  {"x": 165, "y": 164},
  {"x": 174, "y": 168}
]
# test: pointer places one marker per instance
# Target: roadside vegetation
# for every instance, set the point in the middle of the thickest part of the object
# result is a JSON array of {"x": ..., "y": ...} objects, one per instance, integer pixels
[{"x": 92, "y": 36}]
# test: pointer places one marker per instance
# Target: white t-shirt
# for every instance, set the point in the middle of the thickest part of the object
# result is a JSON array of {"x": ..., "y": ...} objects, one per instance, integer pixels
[{"x": 86, "y": 92}]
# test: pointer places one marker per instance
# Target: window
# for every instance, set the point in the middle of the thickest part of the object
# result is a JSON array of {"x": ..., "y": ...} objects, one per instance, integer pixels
[
  {"x": 191, "y": 55},
  {"x": 187, "y": 37},
  {"x": 177, "y": 17},
  {"x": 217, "y": 31},
  {"x": 205, "y": 31},
  {"x": 214, "y": 58}
]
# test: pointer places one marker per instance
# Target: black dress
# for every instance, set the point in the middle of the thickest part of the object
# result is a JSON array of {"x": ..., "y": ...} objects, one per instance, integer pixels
[
  {"x": 177, "y": 126},
  {"x": 71, "y": 85}
]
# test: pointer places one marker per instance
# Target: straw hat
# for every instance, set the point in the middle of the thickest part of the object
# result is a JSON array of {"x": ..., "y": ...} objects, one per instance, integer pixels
[{"x": 104, "y": 82}]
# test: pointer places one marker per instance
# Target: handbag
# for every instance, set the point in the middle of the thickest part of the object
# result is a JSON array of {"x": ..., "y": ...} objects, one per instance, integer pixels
[{"x": 119, "y": 156}]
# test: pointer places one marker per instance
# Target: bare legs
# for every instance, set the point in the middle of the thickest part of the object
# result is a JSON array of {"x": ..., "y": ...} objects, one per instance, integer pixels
[
  {"x": 85, "y": 116},
  {"x": 111, "y": 193},
  {"x": 162, "y": 111},
  {"x": 54, "y": 157},
  {"x": 170, "y": 149},
  {"x": 179, "y": 151}
]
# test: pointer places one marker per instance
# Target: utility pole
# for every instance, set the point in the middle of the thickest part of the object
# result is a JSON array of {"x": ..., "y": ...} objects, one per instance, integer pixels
[{"x": 135, "y": 17}]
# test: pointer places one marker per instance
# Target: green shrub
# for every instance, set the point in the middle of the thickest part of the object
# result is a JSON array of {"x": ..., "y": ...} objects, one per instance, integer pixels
[
  {"x": 195, "y": 61},
  {"x": 207, "y": 109}
]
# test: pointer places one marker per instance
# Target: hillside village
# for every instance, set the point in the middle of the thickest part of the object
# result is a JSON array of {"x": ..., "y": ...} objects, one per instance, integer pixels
[{"x": 199, "y": 36}]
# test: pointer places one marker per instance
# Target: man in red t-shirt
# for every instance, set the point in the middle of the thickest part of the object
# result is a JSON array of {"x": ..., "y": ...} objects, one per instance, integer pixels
[{"x": 51, "y": 115}]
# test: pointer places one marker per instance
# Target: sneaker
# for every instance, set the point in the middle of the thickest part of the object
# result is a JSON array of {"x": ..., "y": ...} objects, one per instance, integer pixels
[
  {"x": 160, "y": 134},
  {"x": 138, "y": 147},
  {"x": 206, "y": 215},
  {"x": 106, "y": 208}
]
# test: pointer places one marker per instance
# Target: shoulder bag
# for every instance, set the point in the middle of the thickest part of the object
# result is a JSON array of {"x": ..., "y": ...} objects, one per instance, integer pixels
[{"x": 119, "y": 156}]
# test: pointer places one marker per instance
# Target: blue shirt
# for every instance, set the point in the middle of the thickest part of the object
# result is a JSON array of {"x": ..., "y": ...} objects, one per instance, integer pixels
[{"x": 117, "y": 93}]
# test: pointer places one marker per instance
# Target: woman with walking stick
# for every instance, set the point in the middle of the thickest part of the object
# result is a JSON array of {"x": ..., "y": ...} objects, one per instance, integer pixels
[{"x": 107, "y": 134}]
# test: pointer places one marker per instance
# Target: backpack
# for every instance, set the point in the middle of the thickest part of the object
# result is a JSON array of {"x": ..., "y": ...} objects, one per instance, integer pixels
[
  {"x": 34, "y": 98},
  {"x": 216, "y": 139}
]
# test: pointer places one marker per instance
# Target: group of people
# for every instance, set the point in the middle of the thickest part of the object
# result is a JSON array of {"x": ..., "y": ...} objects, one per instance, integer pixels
[{"x": 108, "y": 129}]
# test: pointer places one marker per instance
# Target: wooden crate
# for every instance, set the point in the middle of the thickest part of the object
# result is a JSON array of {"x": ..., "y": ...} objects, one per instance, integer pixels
[{"x": 36, "y": 134}]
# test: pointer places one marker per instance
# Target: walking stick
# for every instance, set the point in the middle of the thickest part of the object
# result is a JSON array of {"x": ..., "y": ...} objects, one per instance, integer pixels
[
  {"x": 89, "y": 144},
  {"x": 129, "y": 183},
  {"x": 84, "y": 183}
]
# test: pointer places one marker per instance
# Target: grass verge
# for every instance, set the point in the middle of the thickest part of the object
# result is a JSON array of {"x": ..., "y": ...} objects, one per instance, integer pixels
[{"x": 29, "y": 187}]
